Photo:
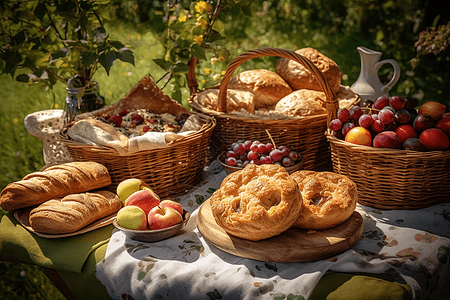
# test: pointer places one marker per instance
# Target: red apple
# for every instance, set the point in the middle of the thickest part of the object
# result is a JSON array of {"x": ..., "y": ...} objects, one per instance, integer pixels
[
  {"x": 129, "y": 186},
  {"x": 387, "y": 139},
  {"x": 435, "y": 109},
  {"x": 405, "y": 132},
  {"x": 434, "y": 139},
  {"x": 444, "y": 125},
  {"x": 145, "y": 199},
  {"x": 169, "y": 203},
  {"x": 159, "y": 218}
]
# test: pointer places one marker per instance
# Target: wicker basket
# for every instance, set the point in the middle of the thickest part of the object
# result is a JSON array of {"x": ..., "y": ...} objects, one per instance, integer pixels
[
  {"x": 169, "y": 171},
  {"x": 303, "y": 134},
  {"x": 392, "y": 178}
]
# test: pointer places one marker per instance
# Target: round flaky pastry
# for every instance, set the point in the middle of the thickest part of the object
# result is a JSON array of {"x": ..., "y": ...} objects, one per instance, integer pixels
[
  {"x": 257, "y": 202},
  {"x": 329, "y": 199}
]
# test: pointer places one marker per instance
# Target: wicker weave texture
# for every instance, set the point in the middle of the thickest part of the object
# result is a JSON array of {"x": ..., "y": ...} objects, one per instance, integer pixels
[
  {"x": 391, "y": 178},
  {"x": 169, "y": 171},
  {"x": 304, "y": 134}
]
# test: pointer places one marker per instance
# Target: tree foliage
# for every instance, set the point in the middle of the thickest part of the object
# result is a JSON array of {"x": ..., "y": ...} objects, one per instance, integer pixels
[{"x": 56, "y": 40}]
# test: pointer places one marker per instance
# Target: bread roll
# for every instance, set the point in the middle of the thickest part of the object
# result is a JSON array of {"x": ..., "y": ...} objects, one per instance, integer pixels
[
  {"x": 257, "y": 202},
  {"x": 54, "y": 182},
  {"x": 299, "y": 77},
  {"x": 236, "y": 100},
  {"x": 301, "y": 103},
  {"x": 267, "y": 86},
  {"x": 73, "y": 212},
  {"x": 328, "y": 198}
]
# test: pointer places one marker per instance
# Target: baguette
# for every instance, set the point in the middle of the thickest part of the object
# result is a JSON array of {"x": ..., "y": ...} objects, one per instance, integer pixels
[
  {"x": 54, "y": 182},
  {"x": 73, "y": 212}
]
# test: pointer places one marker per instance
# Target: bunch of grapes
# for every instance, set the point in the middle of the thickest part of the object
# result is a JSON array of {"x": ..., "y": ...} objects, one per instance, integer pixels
[
  {"x": 386, "y": 113},
  {"x": 242, "y": 153}
]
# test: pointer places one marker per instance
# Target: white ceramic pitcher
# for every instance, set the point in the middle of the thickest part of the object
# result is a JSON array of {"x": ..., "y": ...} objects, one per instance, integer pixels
[{"x": 368, "y": 85}]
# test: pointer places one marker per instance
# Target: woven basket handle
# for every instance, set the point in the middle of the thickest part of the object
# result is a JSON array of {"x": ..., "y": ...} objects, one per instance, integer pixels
[{"x": 332, "y": 104}]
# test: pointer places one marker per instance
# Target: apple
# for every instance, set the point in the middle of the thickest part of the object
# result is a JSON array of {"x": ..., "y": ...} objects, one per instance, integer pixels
[
  {"x": 159, "y": 218},
  {"x": 434, "y": 139},
  {"x": 145, "y": 199},
  {"x": 169, "y": 203},
  {"x": 444, "y": 125},
  {"x": 132, "y": 217},
  {"x": 129, "y": 186},
  {"x": 435, "y": 109}
]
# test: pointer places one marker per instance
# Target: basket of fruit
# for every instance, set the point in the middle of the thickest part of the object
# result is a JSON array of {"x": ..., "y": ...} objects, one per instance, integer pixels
[
  {"x": 145, "y": 135},
  {"x": 291, "y": 103},
  {"x": 396, "y": 151}
]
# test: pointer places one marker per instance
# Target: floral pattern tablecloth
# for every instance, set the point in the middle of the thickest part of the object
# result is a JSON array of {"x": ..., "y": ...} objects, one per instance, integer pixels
[{"x": 411, "y": 246}]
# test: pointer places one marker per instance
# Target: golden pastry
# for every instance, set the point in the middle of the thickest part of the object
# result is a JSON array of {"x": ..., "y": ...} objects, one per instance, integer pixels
[
  {"x": 257, "y": 202},
  {"x": 328, "y": 198}
]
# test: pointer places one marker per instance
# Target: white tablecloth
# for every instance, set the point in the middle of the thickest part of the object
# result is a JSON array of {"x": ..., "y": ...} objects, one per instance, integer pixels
[{"x": 413, "y": 246}]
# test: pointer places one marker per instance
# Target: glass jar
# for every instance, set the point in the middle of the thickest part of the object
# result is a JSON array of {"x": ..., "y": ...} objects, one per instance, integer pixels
[{"x": 80, "y": 100}]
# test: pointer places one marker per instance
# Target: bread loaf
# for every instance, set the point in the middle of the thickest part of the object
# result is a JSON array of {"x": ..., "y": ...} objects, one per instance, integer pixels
[
  {"x": 299, "y": 77},
  {"x": 302, "y": 103},
  {"x": 54, "y": 182},
  {"x": 73, "y": 212},
  {"x": 267, "y": 86},
  {"x": 236, "y": 100}
]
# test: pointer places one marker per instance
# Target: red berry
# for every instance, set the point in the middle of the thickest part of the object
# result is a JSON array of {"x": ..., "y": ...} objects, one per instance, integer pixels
[
  {"x": 116, "y": 119},
  {"x": 239, "y": 148},
  {"x": 397, "y": 102},
  {"x": 355, "y": 113},
  {"x": 231, "y": 154},
  {"x": 365, "y": 121},
  {"x": 231, "y": 161},
  {"x": 276, "y": 155},
  {"x": 269, "y": 147},
  {"x": 247, "y": 145},
  {"x": 335, "y": 125},
  {"x": 343, "y": 115},
  {"x": 261, "y": 148},
  {"x": 252, "y": 155},
  {"x": 265, "y": 160}
]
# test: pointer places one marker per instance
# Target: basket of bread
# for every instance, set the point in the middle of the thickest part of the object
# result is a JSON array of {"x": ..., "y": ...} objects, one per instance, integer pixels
[
  {"x": 145, "y": 135},
  {"x": 264, "y": 213},
  {"x": 62, "y": 200},
  {"x": 395, "y": 150},
  {"x": 290, "y": 103}
]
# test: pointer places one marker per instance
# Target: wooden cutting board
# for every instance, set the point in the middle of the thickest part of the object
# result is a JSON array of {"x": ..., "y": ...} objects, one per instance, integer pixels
[{"x": 293, "y": 245}]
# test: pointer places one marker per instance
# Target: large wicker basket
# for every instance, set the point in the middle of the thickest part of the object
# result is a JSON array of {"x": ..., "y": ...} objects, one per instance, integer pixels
[
  {"x": 392, "y": 178},
  {"x": 170, "y": 170},
  {"x": 303, "y": 134}
]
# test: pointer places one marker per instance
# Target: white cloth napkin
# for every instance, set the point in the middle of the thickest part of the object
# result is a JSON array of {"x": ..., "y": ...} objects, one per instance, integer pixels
[{"x": 412, "y": 246}]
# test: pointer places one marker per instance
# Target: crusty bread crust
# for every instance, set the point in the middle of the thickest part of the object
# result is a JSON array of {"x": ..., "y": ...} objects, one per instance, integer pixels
[
  {"x": 54, "y": 182},
  {"x": 73, "y": 212}
]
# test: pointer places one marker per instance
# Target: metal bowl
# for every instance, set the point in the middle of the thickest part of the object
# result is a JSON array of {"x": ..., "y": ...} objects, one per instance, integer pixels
[
  {"x": 154, "y": 235},
  {"x": 230, "y": 169}
]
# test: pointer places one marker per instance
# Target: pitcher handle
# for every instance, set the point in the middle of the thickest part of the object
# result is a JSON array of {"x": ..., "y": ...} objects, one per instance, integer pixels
[{"x": 396, "y": 76}]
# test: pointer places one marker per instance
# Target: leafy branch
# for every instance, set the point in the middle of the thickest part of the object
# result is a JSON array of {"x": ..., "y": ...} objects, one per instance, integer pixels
[{"x": 31, "y": 39}]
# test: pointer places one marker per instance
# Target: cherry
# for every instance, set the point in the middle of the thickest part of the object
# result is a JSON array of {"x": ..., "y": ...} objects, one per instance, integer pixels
[
  {"x": 116, "y": 119},
  {"x": 276, "y": 155}
]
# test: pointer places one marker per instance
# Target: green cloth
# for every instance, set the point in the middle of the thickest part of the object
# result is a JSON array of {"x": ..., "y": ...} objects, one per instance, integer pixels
[
  {"x": 67, "y": 254},
  {"x": 338, "y": 286}
]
